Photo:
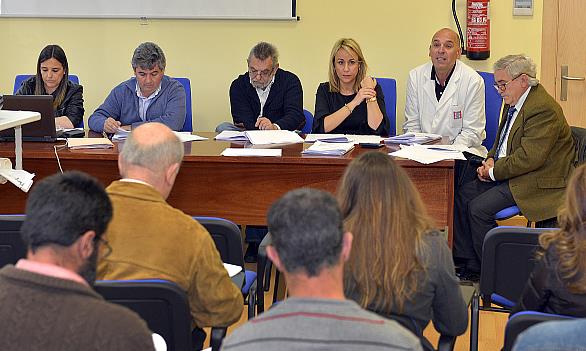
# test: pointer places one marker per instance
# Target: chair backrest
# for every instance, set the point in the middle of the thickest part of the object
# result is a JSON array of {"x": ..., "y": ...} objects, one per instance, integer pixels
[
  {"x": 187, "y": 126},
  {"x": 492, "y": 105},
  {"x": 22, "y": 77},
  {"x": 162, "y": 305},
  {"x": 12, "y": 247},
  {"x": 308, "y": 122},
  {"x": 226, "y": 236},
  {"x": 508, "y": 257},
  {"x": 579, "y": 135},
  {"x": 521, "y": 321},
  {"x": 389, "y": 87}
]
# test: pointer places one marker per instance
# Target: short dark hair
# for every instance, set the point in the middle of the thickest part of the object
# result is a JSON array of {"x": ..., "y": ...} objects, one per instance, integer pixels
[
  {"x": 263, "y": 51},
  {"x": 306, "y": 230},
  {"x": 62, "y": 207},
  {"x": 147, "y": 56}
]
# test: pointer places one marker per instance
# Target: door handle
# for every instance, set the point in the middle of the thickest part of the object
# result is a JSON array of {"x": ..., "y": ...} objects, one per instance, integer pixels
[{"x": 564, "y": 83}]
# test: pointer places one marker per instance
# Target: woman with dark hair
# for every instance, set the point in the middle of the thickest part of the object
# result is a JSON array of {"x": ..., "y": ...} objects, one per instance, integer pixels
[
  {"x": 558, "y": 281},
  {"x": 351, "y": 102},
  {"x": 52, "y": 78},
  {"x": 400, "y": 266}
]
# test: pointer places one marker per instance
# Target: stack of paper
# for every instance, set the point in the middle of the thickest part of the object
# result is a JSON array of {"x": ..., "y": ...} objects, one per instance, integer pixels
[
  {"x": 412, "y": 138},
  {"x": 265, "y": 137},
  {"x": 89, "y": 143},
  {"x": 121, "y": 134},
  {"x": 426, "y": 155},
  {"x": 329, "y": 138},
  {"x": 364, "y": 139},
  {"x": 231, "y": 135},
  {"x": 187, "y": 136},
  {"x": 251, "y": 152},
  {"x": 328, "y": 149}
]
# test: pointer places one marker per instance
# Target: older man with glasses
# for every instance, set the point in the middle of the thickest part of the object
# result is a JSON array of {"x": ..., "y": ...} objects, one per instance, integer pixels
[
  {"x": 266, "y": 97},
  {"x": 528, "y": 165}
]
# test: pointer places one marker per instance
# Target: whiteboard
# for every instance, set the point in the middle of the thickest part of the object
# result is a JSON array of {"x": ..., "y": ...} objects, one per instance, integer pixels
[{"x": 203, "y": 9}]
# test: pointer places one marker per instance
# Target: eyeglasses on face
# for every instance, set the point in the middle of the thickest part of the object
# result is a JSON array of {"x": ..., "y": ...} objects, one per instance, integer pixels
[
  {"x": 263, "y": 74},
  {"x": 503, "y": 86}
]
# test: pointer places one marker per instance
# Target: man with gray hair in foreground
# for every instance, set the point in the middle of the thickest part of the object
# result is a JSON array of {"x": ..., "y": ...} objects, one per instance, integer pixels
[
  {"x": 310, "y": 247},
  {"x": 149, "y": 96},
  {"x": 151, "y": 239},
  {"x": 528, "y": 165}
]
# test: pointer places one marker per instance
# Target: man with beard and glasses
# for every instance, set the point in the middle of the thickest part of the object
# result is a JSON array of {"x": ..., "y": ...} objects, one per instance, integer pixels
[
  {"x": 46, "y": 300},
  {"x": 266, "y": 97}
]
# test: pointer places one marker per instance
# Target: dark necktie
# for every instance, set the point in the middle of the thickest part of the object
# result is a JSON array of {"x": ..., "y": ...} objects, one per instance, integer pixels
[{"x": 504, "y": 132}]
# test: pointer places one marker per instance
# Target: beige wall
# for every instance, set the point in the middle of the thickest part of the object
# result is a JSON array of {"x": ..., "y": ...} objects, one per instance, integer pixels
[{"x": 394, "y": 36}]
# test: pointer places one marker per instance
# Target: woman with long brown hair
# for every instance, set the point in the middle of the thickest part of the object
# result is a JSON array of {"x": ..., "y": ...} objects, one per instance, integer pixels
[
  {"x": 400, "y": 266},
  {"x": 558, "y": 281}
]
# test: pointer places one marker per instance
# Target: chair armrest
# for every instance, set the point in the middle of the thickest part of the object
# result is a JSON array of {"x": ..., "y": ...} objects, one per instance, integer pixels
[{"x": 217, "y": 336}]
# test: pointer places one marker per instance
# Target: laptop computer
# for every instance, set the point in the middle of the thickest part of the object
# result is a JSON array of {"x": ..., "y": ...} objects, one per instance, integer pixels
[{"x": 41, "y": 130}]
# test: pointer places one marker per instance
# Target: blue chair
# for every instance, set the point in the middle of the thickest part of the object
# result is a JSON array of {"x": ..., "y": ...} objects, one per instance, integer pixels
[
  {"x": 521, "y": 321},
  {"x": 162, "y": 304},
  {"x": 506, "y": 213},
  {"x": 492, "y": 104},
  {"x": 308, "y": 122},
  {"x": 228, "y": 240},
  {"x": 389, "y": 87},
  {"x": 508, "y": 257},
  {"x": 187, "y": 126},
  {"x": 22, "y": 77}
]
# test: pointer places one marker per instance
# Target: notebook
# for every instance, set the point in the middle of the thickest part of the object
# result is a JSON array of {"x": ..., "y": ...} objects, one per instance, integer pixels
[{"x": 41, "y": 130}]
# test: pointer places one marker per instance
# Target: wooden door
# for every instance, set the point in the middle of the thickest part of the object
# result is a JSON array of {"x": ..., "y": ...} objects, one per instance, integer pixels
[{"x": 564, "y": 44}]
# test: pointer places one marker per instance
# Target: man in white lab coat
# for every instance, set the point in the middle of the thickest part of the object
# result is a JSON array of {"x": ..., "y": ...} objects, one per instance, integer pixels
[{"x": 446, "y": 97}]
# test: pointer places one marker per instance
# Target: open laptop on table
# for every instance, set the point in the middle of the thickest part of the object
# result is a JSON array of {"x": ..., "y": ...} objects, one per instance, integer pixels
[{"x": 41, "y": 130}]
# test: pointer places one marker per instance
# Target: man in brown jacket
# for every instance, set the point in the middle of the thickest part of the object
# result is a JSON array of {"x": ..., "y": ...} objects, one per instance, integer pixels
[
  {"x": 528, "y": 165},
  {"x": 151, "y": 239}
]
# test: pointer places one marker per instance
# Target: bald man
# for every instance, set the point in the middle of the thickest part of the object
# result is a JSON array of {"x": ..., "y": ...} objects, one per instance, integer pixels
[
  {"x": 151, "y": 239},
  {"x": 446, "y": 97}
]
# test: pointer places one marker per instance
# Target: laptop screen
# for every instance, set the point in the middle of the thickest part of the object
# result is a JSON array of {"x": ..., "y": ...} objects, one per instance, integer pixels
[{"x": 41, "y": 130}]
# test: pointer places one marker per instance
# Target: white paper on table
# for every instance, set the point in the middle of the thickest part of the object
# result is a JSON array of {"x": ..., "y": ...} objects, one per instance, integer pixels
[
  {"x": 368, "y": 139},
  {"x": 21, "y": 178},
  {"x": 89, "y": 143},
  {"x": 232, "y": 269},
  {"x": 425, "y": 155},
  {"x": 231, "y": 135},
  {"x": 257, "y": 137},
  {"x": 252, "y": 152},
  {"x": 330, "y": 138},
  {"x": 187, "y": 136},
  {"x": 412, "y": 138},
  {"x": 121, "y": 134},
  {"x": 328, "y": 149}
]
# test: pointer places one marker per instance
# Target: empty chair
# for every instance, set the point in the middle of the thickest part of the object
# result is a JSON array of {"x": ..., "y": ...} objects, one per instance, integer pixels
[
  {"x": 187, "y": 125},
  {"x": 226, "y": 236},
  {"x": 163, "y": 306},
  {"x": 12, "y": 247},
  {"x": 492, "y": 105},
  {"x": 508, "y": 257},
  {"x": 389, "y": 87}
]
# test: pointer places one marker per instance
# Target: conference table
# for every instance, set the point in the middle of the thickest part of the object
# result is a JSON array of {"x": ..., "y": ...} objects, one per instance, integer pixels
[{"x": 240, "y": 189}]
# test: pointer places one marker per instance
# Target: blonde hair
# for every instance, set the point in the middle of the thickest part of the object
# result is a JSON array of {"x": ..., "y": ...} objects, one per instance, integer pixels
[
  {"x": 352, "y": 47},
  {"x": 569, "y": 241},
  {"x": 384, "y": 212}
]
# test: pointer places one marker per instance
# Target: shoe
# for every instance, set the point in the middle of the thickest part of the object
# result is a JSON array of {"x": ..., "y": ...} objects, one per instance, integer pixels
[
  {"x": 251, "y": 254},
  {"x": 466, "y": 275}
]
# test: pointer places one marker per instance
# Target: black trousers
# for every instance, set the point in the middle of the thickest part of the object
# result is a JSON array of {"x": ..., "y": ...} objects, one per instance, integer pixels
[{"x": 475, "y": 205}]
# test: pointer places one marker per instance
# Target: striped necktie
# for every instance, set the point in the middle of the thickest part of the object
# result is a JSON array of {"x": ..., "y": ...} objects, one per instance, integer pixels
[{"x": 504, "y": 131}]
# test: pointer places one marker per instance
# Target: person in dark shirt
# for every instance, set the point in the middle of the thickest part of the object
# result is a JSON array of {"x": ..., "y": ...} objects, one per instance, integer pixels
[
  {"x": 350, "y": 102},
  {"x": 52, "y": 78}
]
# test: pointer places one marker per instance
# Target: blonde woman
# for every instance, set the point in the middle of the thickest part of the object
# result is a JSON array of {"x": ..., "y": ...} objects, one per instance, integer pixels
[
  {"x": 558, "y": 281},
  {"x": 400, "y": 266},
  {"x": 350, "y": 102}
]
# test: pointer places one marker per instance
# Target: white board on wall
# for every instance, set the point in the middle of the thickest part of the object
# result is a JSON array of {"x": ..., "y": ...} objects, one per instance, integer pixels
[{"x": 188, "y": 9}]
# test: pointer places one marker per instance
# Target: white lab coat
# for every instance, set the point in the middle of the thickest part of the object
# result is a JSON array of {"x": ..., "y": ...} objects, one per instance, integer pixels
[{"x": 458, "y": 115}]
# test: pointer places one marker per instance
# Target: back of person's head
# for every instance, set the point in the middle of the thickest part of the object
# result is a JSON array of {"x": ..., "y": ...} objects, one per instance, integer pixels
[
  {"x": 62, "y": 207},
  {"x": 306, "y": 231},
  {"x": 263, "y": 51},
  {"x": 151, "y": 146},
  {"x": 53, "y": 52},
  {"x": 570, "y": 240},
  {"x": 383, "y": 210},
  {"x": 147, "y": 56}
]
